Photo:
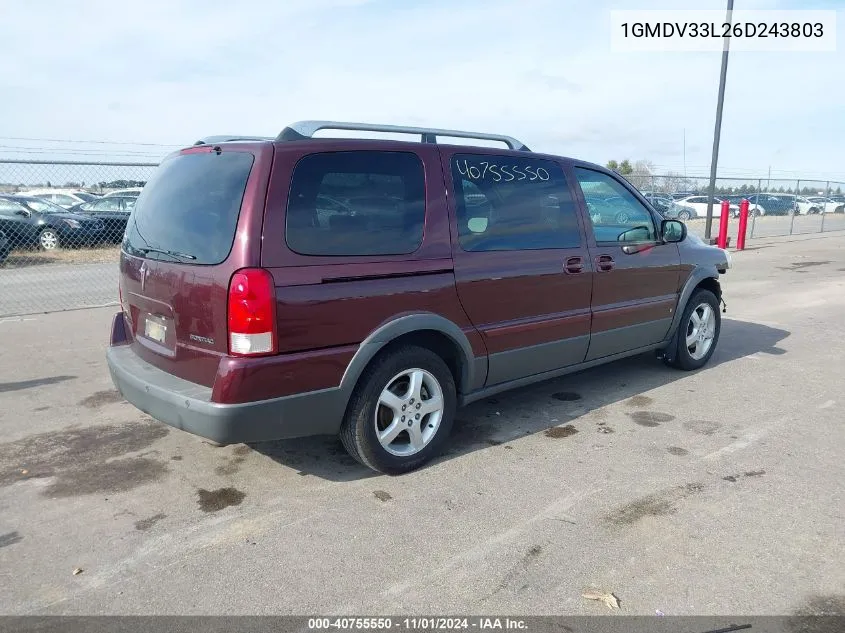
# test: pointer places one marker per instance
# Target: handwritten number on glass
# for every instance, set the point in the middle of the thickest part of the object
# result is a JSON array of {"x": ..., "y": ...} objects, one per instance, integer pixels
[{"x": 501, "y": 173}]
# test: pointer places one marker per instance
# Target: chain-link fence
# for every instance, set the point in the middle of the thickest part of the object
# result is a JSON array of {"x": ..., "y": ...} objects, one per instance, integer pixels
[
  {"x": 61, "y": 223},
  {"x": 777, "y": 206}
]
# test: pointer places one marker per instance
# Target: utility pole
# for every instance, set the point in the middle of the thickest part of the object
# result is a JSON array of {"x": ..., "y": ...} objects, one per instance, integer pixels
[
  {"x": 718, "y": 130},
  {"x": 685, "y": 153}
]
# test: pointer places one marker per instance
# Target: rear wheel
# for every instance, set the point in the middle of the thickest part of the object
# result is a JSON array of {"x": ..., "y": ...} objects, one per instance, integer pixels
[
  {"x": 698, "y": 331},
  {"x": 401, "y": 412},
  {"x": 684, "y": 215}
]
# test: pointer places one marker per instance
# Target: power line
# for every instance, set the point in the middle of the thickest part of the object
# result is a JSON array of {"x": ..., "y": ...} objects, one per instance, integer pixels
[
  {"x": 59, "y": 140},
  {"x": 80, "y": 151}
]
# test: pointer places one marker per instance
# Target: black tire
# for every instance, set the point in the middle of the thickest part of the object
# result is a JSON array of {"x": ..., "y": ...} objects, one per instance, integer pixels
[
  {"x": 683, "y": 358},
  {"x": 48, "y": 239},
  {"x": 358, "y": 431},
  {"x": 684, "y": 216},
  {"x": 622, "y": 217}
]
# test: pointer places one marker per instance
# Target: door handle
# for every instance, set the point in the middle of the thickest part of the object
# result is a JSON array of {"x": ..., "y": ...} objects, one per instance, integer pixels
[
  {"x": 574, "y": 265},
  {"x": 604, "y": 263}
]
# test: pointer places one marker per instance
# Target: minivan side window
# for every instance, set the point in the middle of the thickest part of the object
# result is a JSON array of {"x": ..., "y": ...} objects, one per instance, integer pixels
[
  {"x": 509, "y": 203},
  {"x": 356, "y": 203},
  {"x": 616, "y": 215}
]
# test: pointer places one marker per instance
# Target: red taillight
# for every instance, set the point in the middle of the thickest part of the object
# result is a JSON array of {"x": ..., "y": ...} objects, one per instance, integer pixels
[{"x": 252, "y": 313}]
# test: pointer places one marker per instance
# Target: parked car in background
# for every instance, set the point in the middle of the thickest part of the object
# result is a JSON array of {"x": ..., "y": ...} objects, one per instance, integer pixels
[
  {"x": 65, "y": 198},
  {"x": 245, "y": 318},
  {"x": 770, "y": 203},
  {"x": 736, "y": 200},
  {"x": 699, "y": 203},
  {"x": 112, "y": 211},
  {"x": 676, "y": 211},
  {"x": 808, "y": 205},
  {"x": 132, "y": 191},
  {"x": 659, "y": 201},
  {"x": 28, "y": 221},
  {"x": 5, "y": 247}
]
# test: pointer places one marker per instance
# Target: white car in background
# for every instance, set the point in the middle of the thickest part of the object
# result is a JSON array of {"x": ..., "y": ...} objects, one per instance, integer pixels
[
  {"x": 131, "y": 191},
  {"x": 65, "y": 198},
  {"x": 818, "y": 204},
  {"x": 699, "y": 203}
]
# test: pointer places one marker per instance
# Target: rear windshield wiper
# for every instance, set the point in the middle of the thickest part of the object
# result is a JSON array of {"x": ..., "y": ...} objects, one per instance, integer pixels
[{"x": 163, "y": 251}]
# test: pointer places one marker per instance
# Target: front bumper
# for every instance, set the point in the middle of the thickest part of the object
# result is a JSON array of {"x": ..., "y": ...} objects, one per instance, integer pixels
[{"x": 188, "y": 406}]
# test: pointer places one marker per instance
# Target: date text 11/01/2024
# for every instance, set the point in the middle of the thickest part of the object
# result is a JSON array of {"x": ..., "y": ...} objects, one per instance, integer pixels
[
  {"x": 726, "y": 29},
  {"x": 422, "y": 623}
]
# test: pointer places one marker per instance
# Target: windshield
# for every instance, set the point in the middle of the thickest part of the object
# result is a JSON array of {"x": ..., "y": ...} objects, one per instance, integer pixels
[{"x": 191, "y": 205}]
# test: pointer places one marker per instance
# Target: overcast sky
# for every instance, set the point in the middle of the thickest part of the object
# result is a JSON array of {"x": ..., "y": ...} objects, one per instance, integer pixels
[{"x": 165, "y": 73}]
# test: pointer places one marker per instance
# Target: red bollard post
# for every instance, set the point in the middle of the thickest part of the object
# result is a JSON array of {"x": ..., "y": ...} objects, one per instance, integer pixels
[
  {"x": 723, "y": 225},
  {"x": 743, "y": 225}
]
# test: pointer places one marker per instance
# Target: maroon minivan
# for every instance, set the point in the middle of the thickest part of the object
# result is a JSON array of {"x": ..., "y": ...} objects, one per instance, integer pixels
[{"x": 277, "y": 288}]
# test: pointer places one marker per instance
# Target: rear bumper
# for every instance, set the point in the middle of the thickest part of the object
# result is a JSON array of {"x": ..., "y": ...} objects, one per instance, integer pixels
[{"x": 188, "y": 406}]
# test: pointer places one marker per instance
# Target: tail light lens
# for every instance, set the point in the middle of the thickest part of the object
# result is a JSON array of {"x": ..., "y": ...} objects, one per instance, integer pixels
[{"x": 252, "y": 313}]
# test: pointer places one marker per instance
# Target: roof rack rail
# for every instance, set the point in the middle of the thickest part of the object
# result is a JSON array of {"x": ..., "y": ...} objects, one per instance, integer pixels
[
  {"x": 306, "y": 129},
  {"x": 229, "y": 138}
]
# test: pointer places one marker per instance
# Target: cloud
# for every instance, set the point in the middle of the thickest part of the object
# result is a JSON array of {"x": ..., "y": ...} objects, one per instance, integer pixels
[{"x": 541, "y": 70}]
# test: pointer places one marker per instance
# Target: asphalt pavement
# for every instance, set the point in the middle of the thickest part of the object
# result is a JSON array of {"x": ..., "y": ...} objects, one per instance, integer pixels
[
  {"x": 713, "y": 492},
  {"x": 52, "y": 287}
]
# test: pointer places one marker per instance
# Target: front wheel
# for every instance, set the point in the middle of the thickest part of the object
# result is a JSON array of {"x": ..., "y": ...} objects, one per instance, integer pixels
[
  {"x": 698, "y": 331},
  {"x": 48, "y": 240},
  {"x": 401, "y": 412}
]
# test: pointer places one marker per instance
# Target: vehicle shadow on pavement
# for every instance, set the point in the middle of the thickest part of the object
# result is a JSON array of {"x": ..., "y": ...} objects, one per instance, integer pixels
[{"x": 538, "y": 408}]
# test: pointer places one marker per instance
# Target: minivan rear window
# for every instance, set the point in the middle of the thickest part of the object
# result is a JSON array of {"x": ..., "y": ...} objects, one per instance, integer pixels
[{"x": 190, "y": 206}]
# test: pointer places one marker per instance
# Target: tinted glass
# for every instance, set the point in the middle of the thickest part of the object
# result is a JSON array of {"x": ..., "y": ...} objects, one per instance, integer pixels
[
  {"x": 507, "y": 203},
  {"x": 110, "y": 204},
  {"x": 191, "y": 205},
  {"x": 356, "y": 203},
  {"x": 9, "y": 207},
  {"x": 43, "y": 206},
  {"x": 616, "y": 215}
]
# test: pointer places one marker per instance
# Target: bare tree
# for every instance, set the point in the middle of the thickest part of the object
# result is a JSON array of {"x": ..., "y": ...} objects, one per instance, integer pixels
[{"x": 641, "y": 174}]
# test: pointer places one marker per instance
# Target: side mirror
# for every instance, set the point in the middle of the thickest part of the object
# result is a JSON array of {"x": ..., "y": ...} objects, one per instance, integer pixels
[{"x": 673, "y": 231}]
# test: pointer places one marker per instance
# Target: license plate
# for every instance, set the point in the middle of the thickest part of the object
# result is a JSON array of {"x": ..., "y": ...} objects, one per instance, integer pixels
[{"x": 155, "y": 330}]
